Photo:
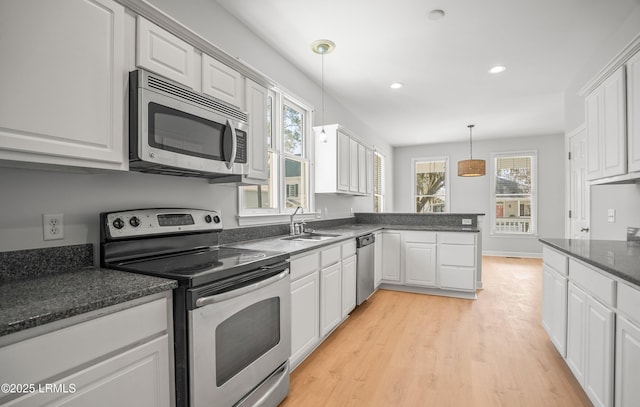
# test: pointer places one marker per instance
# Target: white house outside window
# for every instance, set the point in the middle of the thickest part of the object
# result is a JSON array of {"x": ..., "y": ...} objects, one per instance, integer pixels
[
  {"x": 514, "y": 186},
  {"x": 288, "y": 143},
  {"x": 430, "y": 181}
]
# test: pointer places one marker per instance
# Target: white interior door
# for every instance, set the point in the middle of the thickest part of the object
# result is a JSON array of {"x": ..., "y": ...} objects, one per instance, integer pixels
[{"x": 578, "y": 188}]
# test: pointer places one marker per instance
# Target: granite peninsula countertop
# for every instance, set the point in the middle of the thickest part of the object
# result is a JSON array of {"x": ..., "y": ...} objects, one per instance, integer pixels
[{"x": 618, "y": 257}]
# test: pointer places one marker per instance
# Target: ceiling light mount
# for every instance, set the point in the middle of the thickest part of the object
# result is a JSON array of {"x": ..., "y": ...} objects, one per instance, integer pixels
[
  {"x": 436, "y": 14},
  {"x": 471, "y": 167},
  {"x": 323, "y": 47}
]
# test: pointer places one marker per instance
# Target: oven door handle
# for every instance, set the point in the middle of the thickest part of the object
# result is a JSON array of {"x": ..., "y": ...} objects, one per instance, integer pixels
[{"x": 201, "y": 302}]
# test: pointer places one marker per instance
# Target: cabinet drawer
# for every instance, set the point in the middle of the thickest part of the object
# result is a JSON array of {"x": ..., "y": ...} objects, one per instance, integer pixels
[
  {"x": 457, "y": 238},
  {"x": 39, "y": 358},
  {"x": 629, "y": 301},
  {"x": 555, "y": 260},
  {"x": 597, "y": 284},
  {"x": 418, "y": 236},
  {"x": 329, "y": 256},
  {"x": 301, "y": 266},
  {"x": 458, "y": 278},
  {"x": 457, "y": 255},
  {"x": 348, "y": 248}
]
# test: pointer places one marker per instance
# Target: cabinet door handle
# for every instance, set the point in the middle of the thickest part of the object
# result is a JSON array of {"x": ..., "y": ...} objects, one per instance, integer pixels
[{"x": 583, "y": 229}]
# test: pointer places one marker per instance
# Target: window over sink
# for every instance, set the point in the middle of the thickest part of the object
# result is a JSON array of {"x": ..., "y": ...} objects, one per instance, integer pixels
[
  {"x": 288, "y": 141},
  {"x": 431, "y": 184}
]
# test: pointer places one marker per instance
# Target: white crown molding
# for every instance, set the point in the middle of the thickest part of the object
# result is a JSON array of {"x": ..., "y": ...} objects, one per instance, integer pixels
[
  {"x": 159, "y": 17},
  {"x": 616, "y": 62}
]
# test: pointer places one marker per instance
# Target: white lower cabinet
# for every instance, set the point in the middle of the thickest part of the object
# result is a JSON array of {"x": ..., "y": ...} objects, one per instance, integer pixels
[
  {"x": 330, "y": 298},
  {"x": 429, "y": 262},
  {"x": 554, "y": 307},
  {"x": 420, "y": 258},
  {"x": 391, "y": 248},
  {"x": 377, "y": 260},
  {"x": 348, "y": 285},
  {"x": 627, "y": 359},
  {"x": 305, "y": 314},
  {"x": 627, "y": 392},
  {"x": 590, "y": 334},
  {"x": 122, "y": 358},
  {"x": 457, "y": 261}
]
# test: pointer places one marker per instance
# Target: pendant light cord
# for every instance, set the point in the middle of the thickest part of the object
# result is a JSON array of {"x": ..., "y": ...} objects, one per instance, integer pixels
[
  {"x": 470, "y": 142},
  {"x": 322, "y": 83}
]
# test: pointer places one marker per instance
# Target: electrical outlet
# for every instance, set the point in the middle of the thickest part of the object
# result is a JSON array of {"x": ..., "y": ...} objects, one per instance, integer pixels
[
  {"x": 53, "y": 226},
  {"x": 466, "y": 221}
]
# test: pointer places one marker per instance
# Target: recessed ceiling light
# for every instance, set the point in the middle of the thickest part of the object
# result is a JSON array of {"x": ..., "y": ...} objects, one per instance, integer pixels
[
  {"x": 497, "y": 69},
  {"x": 396, "y": 85},
  {"x": 435, "y": 14}
]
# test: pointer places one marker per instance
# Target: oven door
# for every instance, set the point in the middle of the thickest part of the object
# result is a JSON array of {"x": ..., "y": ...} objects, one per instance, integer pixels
[{"x": 237, "y": 339}]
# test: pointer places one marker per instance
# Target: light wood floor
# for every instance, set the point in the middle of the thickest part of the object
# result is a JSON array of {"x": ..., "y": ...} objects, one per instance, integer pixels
[{"x": 402, "y": 349}]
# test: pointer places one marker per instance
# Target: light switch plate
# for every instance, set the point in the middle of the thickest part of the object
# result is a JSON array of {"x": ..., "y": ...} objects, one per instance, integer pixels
[{"x": 611, "y": 215}]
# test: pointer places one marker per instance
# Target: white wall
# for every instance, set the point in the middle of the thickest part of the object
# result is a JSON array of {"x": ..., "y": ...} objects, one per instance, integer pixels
[
  {"x": 625, "y": 199},
  {"x": 474, "y": 194},
  {"x": 26, "y": 194}
]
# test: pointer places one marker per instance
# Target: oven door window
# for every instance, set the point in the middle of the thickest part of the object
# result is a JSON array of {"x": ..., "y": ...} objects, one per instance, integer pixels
[
  {"x": 245, "y": 336},
  {"x": 184, "y": 133}
]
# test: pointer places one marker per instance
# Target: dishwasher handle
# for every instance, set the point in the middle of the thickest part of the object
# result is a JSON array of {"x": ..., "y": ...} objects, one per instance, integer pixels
[{"x": 365, "y": 240}]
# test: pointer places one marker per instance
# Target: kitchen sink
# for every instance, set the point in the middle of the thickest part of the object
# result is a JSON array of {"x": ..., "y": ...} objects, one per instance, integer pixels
[{"x": 311, "y": 237}]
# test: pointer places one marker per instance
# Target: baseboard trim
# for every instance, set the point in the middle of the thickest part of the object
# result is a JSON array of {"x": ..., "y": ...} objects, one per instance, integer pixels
[{"x": 512, "y": 254}]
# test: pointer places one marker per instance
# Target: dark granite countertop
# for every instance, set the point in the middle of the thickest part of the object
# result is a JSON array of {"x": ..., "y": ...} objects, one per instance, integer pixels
[
  {"x": 618, "y": 257},
  {"x": 345, "y": 232},
  {"x": 27, "y": 303}
]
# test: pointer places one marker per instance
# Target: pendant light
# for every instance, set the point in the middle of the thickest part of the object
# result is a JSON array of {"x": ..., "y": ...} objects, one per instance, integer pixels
[
  {"x": 471, "y": 167},
  {"x": 323, "y": 47}
]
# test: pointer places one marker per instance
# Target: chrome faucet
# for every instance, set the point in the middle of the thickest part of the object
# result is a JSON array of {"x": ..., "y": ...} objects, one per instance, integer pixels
[{"x": 292, "y": 226}]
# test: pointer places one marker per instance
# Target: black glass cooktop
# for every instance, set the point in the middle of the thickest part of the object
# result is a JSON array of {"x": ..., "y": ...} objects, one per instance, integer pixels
[{"x": 201, "y": 266}]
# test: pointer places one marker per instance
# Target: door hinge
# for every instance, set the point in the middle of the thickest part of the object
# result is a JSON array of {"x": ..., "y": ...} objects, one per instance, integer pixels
[
  {"x": 569, "y": 213},
  {"x": 569, "y": 154}
]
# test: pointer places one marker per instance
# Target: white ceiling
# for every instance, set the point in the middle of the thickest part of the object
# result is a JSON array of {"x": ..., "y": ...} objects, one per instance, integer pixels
[{"x": 443, "y": 64}]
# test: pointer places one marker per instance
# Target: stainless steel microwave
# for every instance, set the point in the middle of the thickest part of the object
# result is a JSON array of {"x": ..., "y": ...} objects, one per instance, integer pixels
[{"x": 176, "y": 131}]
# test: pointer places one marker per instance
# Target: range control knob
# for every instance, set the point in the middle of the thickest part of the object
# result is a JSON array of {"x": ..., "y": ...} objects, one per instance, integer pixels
[
  {"x": 118, "y": 223},
  {"x": 216, "y": 219},
  {"x": 208, "y": 219},
  {"x": 134, "y": 221}
]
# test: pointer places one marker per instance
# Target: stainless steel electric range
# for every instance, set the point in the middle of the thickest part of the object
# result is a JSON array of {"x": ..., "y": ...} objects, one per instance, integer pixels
[{"x": 231, "y": 308}]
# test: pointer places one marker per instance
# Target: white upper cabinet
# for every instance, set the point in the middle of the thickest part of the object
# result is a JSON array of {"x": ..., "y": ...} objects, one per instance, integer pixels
[
  {"x": 63, "y": 83},
  {"x": 341, "y": 162},
  {"x": 258, "y": 127},
  {"x": 222, "y": 82},
  {"x": 606, "y": 128},
  {"x": 633, "y": 112},
  {"x": 165, "y": 54}
]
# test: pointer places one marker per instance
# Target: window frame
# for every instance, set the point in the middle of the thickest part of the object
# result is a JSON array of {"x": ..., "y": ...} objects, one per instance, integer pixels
[
  {"x": 381, "y": 188},
  {"x": 256, "y": 216},
  {"x": 533, "y": 225},
  {"x": 447, "y": 181}
]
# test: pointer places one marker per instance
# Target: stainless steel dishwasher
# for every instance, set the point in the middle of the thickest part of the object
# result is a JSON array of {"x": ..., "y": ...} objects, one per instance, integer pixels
[{"x": 365, "y": 251}]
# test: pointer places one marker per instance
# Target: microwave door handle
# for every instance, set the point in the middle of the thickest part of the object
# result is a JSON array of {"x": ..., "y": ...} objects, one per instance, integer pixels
[{"x": 234, "y": 144}]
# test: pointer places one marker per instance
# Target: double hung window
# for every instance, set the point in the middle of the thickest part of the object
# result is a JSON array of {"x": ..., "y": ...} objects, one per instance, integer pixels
[
  {"x": 514, "y": 186},
  {"x": 430, "y": 180},
  {"x": 288, "y": 141}
]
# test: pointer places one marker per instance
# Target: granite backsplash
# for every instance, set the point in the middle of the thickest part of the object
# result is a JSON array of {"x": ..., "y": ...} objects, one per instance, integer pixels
[{"x": 22, "y": 264}]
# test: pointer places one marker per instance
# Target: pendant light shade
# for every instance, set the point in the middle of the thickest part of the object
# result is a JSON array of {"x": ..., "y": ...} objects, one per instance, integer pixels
[{"x": 471, "y": 167}]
